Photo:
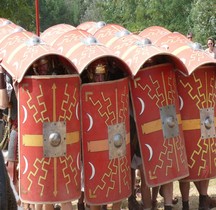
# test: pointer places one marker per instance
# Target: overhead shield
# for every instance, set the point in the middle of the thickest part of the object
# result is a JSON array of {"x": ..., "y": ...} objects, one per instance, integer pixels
[
  {"x": 197, "y": 99},
  {"x": 95, "y": 27},
  {"x": 4, "y": 22},
  {"x": 51, "y": 34},
  {"x": 86, "y": 25},
  {"x": 197, "y": 96},
  {"x": 8, "y": 29},
  {"x": 154, "y": 33},
  {"x": 110, "y": 33},
  {"x": 49, "y": 136},
  {"x": 106, "y": 141},
  {"x": 158, "y": 121}
]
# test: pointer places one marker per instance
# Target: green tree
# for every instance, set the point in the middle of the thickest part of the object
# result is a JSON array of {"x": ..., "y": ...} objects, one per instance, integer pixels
[
  {"x": 176, "y": 15},
  {"x": 54, "y": 12},
  {"x": 135, "y": 15},
  {"x": 202, "y": 20},
  {"x": 111, "y": 11},
  {"x": 92, "y": 11},
  {"x": 170, "y": 14},
  {"x": 20, "y": 12}
]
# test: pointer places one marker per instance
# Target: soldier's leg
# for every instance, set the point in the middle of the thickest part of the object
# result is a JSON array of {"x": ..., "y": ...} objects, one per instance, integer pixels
[
  {"x": 155, "y": 191},
  {"x": 104, "y": 207},
  {"x": 80, "y": 204},
  {"x": 32, "y": 206},
  {"x": 25, "y": 206},
  {"x": 133, "y": 204},
  {"x": 205, "y": 202},
  {"x": 202, "y": 188},
  {"x": 117, "y": 206},
  {"x": 7, "y": 198},
  {"x": 38, "y": 206},
  {"x": 66, "y": 206},
  {"x": 145, "y": 191},
  {"x": 184, "y": 189},
  {"x": 12, "y": 156},
  {"x": 95, "y": 207},
  {"x": 168, "y": 195},
  {"x": 48, "y": 207}
]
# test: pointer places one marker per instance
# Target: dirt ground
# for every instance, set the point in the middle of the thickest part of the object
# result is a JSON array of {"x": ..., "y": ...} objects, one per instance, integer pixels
[{"x": 194, "y": 197}]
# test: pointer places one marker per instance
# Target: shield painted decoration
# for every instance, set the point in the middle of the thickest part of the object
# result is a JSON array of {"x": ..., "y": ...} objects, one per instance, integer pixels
[
  {"x": 4, "y": 21},
  {"x": 49, "y": 133},
  {"x": 106, "y": 141},
  {"x": 86, "y": 25},
  {"x": 110, "y": 33},
  {"x": 154, "y": 33},
  {"x": 156, "y": 109},
  {"x": 8, "y": 29},
  {"x": 197, "y": 94},
  {"x": 51, "y": 34}
]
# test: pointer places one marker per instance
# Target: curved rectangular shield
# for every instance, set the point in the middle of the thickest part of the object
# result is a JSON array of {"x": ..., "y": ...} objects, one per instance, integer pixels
[
  {"x": 49, "y": 135},
  {"x": 197, "y": 95},
  {"x": 158, "y": 120},
  {"x": 106, "y": 141}
]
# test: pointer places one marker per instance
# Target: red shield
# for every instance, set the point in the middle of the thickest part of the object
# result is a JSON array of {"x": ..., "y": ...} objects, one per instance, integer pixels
[
  {"x": 106, "y": 148},
  {"x": 51, "y": 34},
  {"x": 158, "y": 120},
  {"x": 49, "y": 134},
  {"x": 197, "y": 96},
  {"x": 110, "y": 33},
  {"x": 154, "y": 33},
  {"x": 86, "y": 25},
  {"x": 4, "y": 21}
]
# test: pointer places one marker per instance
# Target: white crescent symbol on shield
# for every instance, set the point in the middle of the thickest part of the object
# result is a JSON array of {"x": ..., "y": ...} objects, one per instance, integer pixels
[
  {"x": 90, "y": 122},
  {"x": 142, "y": 105},
  {"x": 25, "y": 114},
  {"x": 93, "y": 171},
  {"x": 26, "y": 164},
  {"x": 181, "y": 103},
  {"x": 150, "y": 151},
  {"x": 78, "y": 165},
  {"x": 77, "y": 106}
]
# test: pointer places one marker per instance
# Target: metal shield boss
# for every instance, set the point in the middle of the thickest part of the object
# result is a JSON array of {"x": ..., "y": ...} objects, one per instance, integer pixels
[
  {"x": 197, "y": 96},
  {"x": 158, "y": 120},
  {"x": 106, "y": 141},
  {"x": 49, "y": 133}
]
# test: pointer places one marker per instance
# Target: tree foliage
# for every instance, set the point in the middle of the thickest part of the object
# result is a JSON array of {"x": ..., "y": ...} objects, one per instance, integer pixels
[
  {"x": 54, "y": 12},
  {"x": 176, "y": 15},
  {"x": 203, "y": 19},
  {"x": 19, "y": 12}
]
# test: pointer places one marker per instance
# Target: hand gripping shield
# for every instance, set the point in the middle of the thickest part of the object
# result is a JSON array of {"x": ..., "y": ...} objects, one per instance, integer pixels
[
  {"x": 49, "y": 139},
  {"x": 105, "y": 137},
  {"x": 158, "y": 120}
]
